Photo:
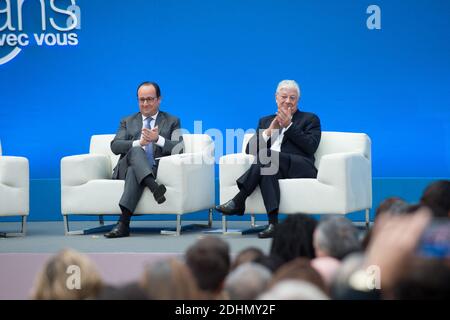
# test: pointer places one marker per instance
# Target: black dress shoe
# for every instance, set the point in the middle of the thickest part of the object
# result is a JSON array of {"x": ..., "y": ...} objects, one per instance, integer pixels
[
  {"x": 268, "y": 232},
  {"x": 231, "y": 208},
  {"x": 120, "y": 230},
  {"x": 159, "y": 194}
]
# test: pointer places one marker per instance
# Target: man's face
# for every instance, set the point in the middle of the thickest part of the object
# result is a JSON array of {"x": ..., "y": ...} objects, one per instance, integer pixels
[
  {"x": 148, "y": 102},
  {"x": 287, "y": 98}
]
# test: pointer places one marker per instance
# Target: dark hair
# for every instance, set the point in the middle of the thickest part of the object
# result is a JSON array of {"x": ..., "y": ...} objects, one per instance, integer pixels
[
  {"x": 129, "y": 291},
  {"x": 150, "y": 83},
  {"x": 270, "y": 262},
  {"x": 209, "y": 261},
  {"x": 294, "y": 238},
  {"x": 437, "y": 197},
  {"x": 247, "y": 255},
  {"x": 392, "y": 204},
  {"x": 299, "y": 269}
]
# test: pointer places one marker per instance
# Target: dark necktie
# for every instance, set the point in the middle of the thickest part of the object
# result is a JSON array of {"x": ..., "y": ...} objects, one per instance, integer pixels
[{"x": 149, "y": 148}]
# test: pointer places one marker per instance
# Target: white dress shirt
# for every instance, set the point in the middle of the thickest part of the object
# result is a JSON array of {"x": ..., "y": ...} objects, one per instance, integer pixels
[
  {"x": 161, "y": 140},
  {"x": 276, "y": 144}
]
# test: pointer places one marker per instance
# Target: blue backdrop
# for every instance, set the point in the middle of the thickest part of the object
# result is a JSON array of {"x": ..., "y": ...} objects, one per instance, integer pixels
[{"x": 220, "y": 61}]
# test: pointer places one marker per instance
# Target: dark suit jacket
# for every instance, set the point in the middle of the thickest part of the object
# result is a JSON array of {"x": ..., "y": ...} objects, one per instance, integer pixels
[
  {"x": 299, "y": 143},
  {"x": 130, "y": 129}
]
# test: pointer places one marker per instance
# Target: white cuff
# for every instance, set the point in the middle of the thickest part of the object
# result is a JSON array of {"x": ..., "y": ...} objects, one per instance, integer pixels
[
  {"x": 137, "y": 143},
  {"x": 265, "y": 136},
  {"x": 161, "y": 141}
]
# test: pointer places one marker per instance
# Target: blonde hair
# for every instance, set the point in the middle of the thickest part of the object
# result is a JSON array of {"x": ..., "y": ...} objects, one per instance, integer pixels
[{"x": 52, "y": 282}]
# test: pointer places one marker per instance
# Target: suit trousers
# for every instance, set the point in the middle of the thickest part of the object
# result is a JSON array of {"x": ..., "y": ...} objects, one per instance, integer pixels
[
  {"x": 268, "y": 182},
  {"x": 138, "y": 169}
]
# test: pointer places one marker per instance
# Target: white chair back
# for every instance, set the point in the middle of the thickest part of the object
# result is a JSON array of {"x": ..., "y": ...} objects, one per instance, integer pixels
[
  {"x": 193, "y": 143},
  {"x": 336, "y": 142}
]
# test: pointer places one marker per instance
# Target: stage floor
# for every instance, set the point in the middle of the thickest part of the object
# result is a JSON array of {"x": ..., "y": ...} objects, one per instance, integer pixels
[{"x": 48, "y": 237}]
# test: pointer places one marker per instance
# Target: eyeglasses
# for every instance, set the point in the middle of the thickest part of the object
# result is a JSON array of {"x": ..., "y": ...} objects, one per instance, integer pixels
[
  {"x": 148, "y": 99},
  {"x": 284, "y": 98}
]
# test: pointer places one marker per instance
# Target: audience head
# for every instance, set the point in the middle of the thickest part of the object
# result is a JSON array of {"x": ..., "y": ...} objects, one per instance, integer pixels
[
  {"x": 293, "y": 238},
  {"x": 336, "y": 237},
  {"x": 437, "y": 197},
  {"x": 294, "y": 290},
  {"x": 299, "y": 269},
  {"x": 129, "y": 291},
  {"x": 247, "y": 255},
  {"x": 393, "y": 205},
  {"x": 169, "y": 280},
  {"x": 68, "y": 275},
  {"x": 209, "y": 261},
  {"x": 247, "y": 281}
]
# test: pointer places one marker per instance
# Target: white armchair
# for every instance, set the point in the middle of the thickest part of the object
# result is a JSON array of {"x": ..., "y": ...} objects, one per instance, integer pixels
[
  {"x": 343, "y": 183},
  {"x": 14, "y": 189},
  {"x": 87, "y": 187}
]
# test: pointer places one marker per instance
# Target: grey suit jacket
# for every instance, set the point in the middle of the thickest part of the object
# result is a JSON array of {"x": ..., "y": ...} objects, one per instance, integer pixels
[{"x": 130, "y": 129}]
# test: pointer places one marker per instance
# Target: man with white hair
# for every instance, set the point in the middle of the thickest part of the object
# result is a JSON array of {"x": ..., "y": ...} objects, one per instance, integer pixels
[{"x": 287, "y": 141}]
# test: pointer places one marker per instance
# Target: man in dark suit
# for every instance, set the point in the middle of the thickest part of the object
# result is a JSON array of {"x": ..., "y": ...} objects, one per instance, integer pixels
[
  {"x": 140, "y": 140},
  {"x": 284, "y": 147}
]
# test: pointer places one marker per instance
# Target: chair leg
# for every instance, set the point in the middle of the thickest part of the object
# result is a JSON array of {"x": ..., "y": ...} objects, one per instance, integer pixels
[
  {"x": 101, "y": 221},
  {"x": 367, "y": 218},
  {"x": 24, "y": 225},
  {"x": 178, "y": 224},
  {"x": 23, "y": 230},
  {"x": 224, "y": 224},
  {"x": 253, "y": 220},
  {"x": 210, "y": 217},
  {"x": 66, "y": 225}
]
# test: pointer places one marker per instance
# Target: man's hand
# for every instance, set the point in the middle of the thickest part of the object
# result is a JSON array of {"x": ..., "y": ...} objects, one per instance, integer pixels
[
  {"x": 284, "y": 117},
  {"x": 149, "y": 135},
  {"x": 274, "y": 125}
]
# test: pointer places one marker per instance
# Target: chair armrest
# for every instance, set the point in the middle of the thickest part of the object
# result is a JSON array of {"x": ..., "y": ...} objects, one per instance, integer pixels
[
  {"x": 14, "y": 172},
  {"x": 349, "y": 169},
  {"x": 79, "y": 169},
  {"x": 232, "y": 166},
  {"x": 178, "y": 170}
]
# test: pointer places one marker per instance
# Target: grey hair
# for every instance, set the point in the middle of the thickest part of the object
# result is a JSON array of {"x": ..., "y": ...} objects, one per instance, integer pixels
[
  {"x": 337, "y": 237},
  {"x": 289, "y": 84},
  {"x": 247, "y": 281},
  {"x": 294, "y": 290}
]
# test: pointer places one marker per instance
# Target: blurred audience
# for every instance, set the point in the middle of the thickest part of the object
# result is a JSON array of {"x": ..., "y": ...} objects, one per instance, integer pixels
[
  {"x": 169, "y": 280},
  {"x": 299, "y": 269},
  {"x": 68, "y": 275},
  {"x": 326, "y": 267},
  {"x": 336, "y": 237},
  {"x": 404, "y": 256},
  {"x": 294, "y": 290},
  {"x": 247, "y": 281},
  {"x": 437, "y": 197},
  {"x": 293, "y": 238},
  {"x": 209, "y": 262},
  {"x": 249, "y": 254}
]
